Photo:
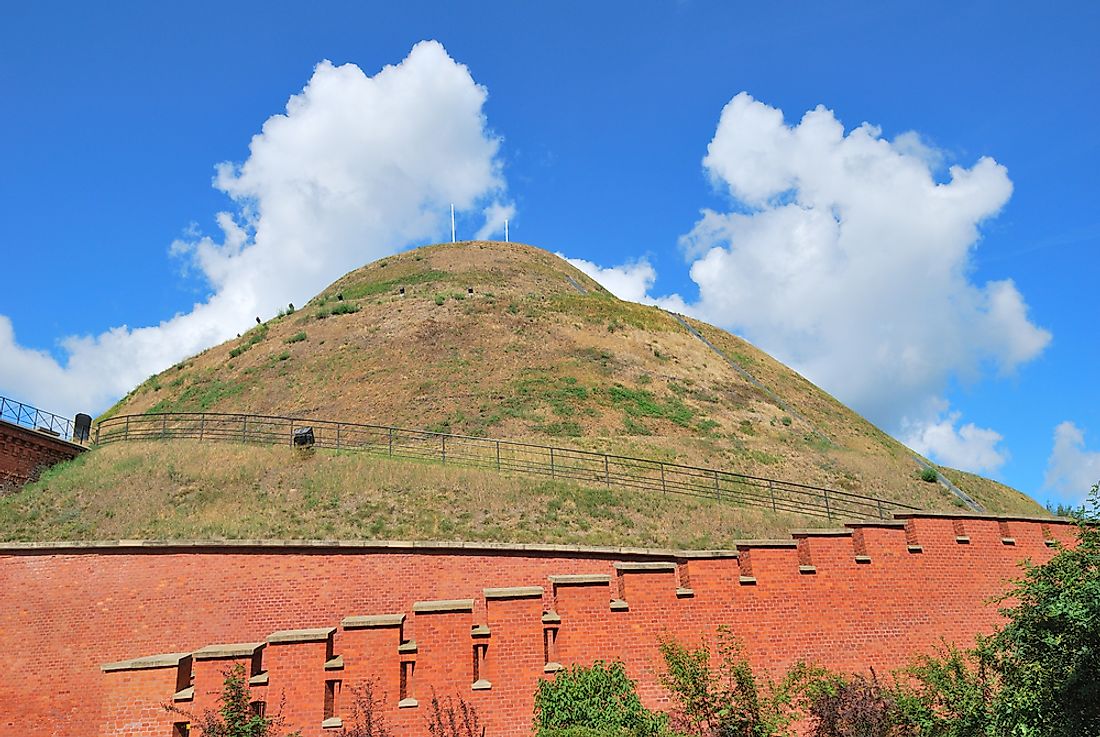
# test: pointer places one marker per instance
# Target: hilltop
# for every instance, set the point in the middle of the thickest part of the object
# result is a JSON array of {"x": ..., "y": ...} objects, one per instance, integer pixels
[{"x": 510, "y": 341}]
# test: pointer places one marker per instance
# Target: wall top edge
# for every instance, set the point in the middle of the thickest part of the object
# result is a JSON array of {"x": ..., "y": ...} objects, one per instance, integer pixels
[
  {"x": 229, "y": 650},
  {"x": 822, "y": 532},
  {"x": 351, "y": 546},
  {"x": 166, "y": 660},
  {"x": 1052, "y": 520},
  {"x": 318, "y": 634},
  {"x": 442, "y": 606}
]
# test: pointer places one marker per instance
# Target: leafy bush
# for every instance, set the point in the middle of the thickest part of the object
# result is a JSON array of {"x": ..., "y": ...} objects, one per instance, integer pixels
[
  {"x": 945, "y": 695},
  {"x": 236, "y": 717},
  {"x": 600, "y": 699},
  {"x": 728, "y": 699},
  {"x": 298, "y": 337},
  {"x": 1047, "y": 656},
  {"x": 929, "y": 475}
]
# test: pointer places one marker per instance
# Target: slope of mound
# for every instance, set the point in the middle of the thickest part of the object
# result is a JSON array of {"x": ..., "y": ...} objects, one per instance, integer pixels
[
  {"x": 511, "y": 341},
  {"x": 194, "y": 491}
]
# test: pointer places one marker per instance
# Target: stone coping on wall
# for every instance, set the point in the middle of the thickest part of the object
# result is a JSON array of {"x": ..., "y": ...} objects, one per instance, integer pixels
[
  {"x": 316, "y": 634},
  {"x": 165, "y": 660},
  {"x": 230, "y": 650},
  {"x": 351, "y": 546}
]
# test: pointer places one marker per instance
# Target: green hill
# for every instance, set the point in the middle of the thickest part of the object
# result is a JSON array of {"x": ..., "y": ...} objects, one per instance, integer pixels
[{"x": 480, "y": 339}]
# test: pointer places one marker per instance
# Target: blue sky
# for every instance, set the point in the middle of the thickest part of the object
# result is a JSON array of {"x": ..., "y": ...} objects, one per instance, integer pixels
[{"x": 592, "y": 122}]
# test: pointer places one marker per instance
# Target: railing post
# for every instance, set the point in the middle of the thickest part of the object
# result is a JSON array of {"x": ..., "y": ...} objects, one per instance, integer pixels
[
  {"x": 717, "y": 491},
  {"x": 338, "y": 426},
  {"x": 163, "y": 426},
  {"x": 97, "y": 434},
  {"x": 552, "y": 473},
  {"x": 444, "y": 437},
  {"x": 828, "y": 509},
  {"x": 881, "y": 513},
  {"x": 202, "y": 426},
  {"x": 498, "y": 454},
  {"x": 244, "y": 429},
  {"x": 391, "y": 442},
  {"x": 771, "y": 491},
  {"x": 127, "y": 433},
  {"x": 606, "y": 471},
  {"x": 664, "y": 489}
]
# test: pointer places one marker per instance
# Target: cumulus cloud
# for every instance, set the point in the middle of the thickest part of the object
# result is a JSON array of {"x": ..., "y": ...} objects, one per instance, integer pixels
[
  {"x": 845, "y": 256},
  {"x": 1071, "y": 469},
  {"x": 355, "y": 168},
  {"x": 496, "y": 215},
  {"x": 968, "y": 447},
  {"x": 630, "y": 281}
]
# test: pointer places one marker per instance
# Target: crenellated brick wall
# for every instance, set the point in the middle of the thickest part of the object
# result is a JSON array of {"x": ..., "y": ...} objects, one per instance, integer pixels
[
  {"x": 24, "y": 453},
  {"x": 96, "y": 639}
]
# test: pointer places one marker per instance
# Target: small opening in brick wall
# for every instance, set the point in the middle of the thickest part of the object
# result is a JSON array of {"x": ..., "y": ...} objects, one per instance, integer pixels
[
  {"x": 406, "y": 675},
  {"x": 259, "y": 708},
  {"x": 181, "y": 729},
  {"x": 332, "y": 688},
  {"x": 257, "y": 665},
  {"x": 477, "y": 662}
]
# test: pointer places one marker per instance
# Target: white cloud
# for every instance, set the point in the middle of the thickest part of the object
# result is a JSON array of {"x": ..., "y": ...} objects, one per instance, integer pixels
[
  {"x": 630, "y": 281},
  {"x": 496, "y": 214},
  {"x": 357, "y": 167},
  {"x": 969, "y": 447},
  {"x": 846, "y": 258},
  {"x": 1071, "y": 470}
]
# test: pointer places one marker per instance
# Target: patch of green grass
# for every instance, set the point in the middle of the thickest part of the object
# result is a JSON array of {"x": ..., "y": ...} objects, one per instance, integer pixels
[
  {"x": 564, "y": 394},
  {"x": 298, "y": 337},
  {"x": 565, "y": 429},
  {"x": 633, "y": 427},
  {"x": 199, "y": 397},
  {"x": 439, "y": 300},
  {"x": 251, "y": 338},
  {"x": 706, "y": 426},
  {"x": 340, "y": 308},
  {"x": 642, "y": 403},
  {"x": 767, "y": 459},
  {"x": 367, "y": 289},
  {"x": 283, "y": 356}
]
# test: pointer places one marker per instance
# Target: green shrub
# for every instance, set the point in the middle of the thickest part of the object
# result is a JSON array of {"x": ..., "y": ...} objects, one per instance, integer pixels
[
  {"x": 600, "y": 699},
  {"x": 236, "y": 717},
  {"x": 929, "y": 475},
  {"x": 340, "y": 308},
  {"x": 439, "y": 300},
  {"x": 727, "y": 698},
  {"x": 298, "y": 337}
]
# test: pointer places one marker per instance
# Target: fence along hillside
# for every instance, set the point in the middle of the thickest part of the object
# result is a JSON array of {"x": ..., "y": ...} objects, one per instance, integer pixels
[{"x": 505, "y": 456}]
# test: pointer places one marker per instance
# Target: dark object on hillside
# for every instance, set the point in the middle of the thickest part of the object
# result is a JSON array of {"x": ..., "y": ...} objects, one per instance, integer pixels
[
  {"x": 402, "y": 290},
  {"x": 303, "y": 437},
  {"x": 82, "y": 428},
  {"x": 339, "y": 296},
  {"x": 469, "y": 290},
  {"x": 258, "y": 321}
]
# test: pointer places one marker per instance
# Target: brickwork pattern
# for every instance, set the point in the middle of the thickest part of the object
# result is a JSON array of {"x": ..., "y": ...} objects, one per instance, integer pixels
[
  {"x": 24, "y": 453},
  {"x": 869, "y": 595}
]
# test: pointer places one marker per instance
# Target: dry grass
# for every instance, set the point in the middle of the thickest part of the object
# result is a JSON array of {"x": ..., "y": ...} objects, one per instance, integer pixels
[
  {"x": 528, "y": 357},
  {"x": 995, "y": 497},
  {"x": 189, "y": 490}
]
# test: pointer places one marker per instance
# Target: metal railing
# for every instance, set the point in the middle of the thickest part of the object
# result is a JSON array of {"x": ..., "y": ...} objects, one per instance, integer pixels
[
  {"x": 586, "y": 467},
  {"x": 25, "y": 415}
]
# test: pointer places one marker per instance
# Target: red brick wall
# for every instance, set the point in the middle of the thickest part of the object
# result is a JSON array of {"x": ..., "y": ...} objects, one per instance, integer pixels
[
  {"x": 64, "y": 612},
  {"x": 25, "y": 453}
]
